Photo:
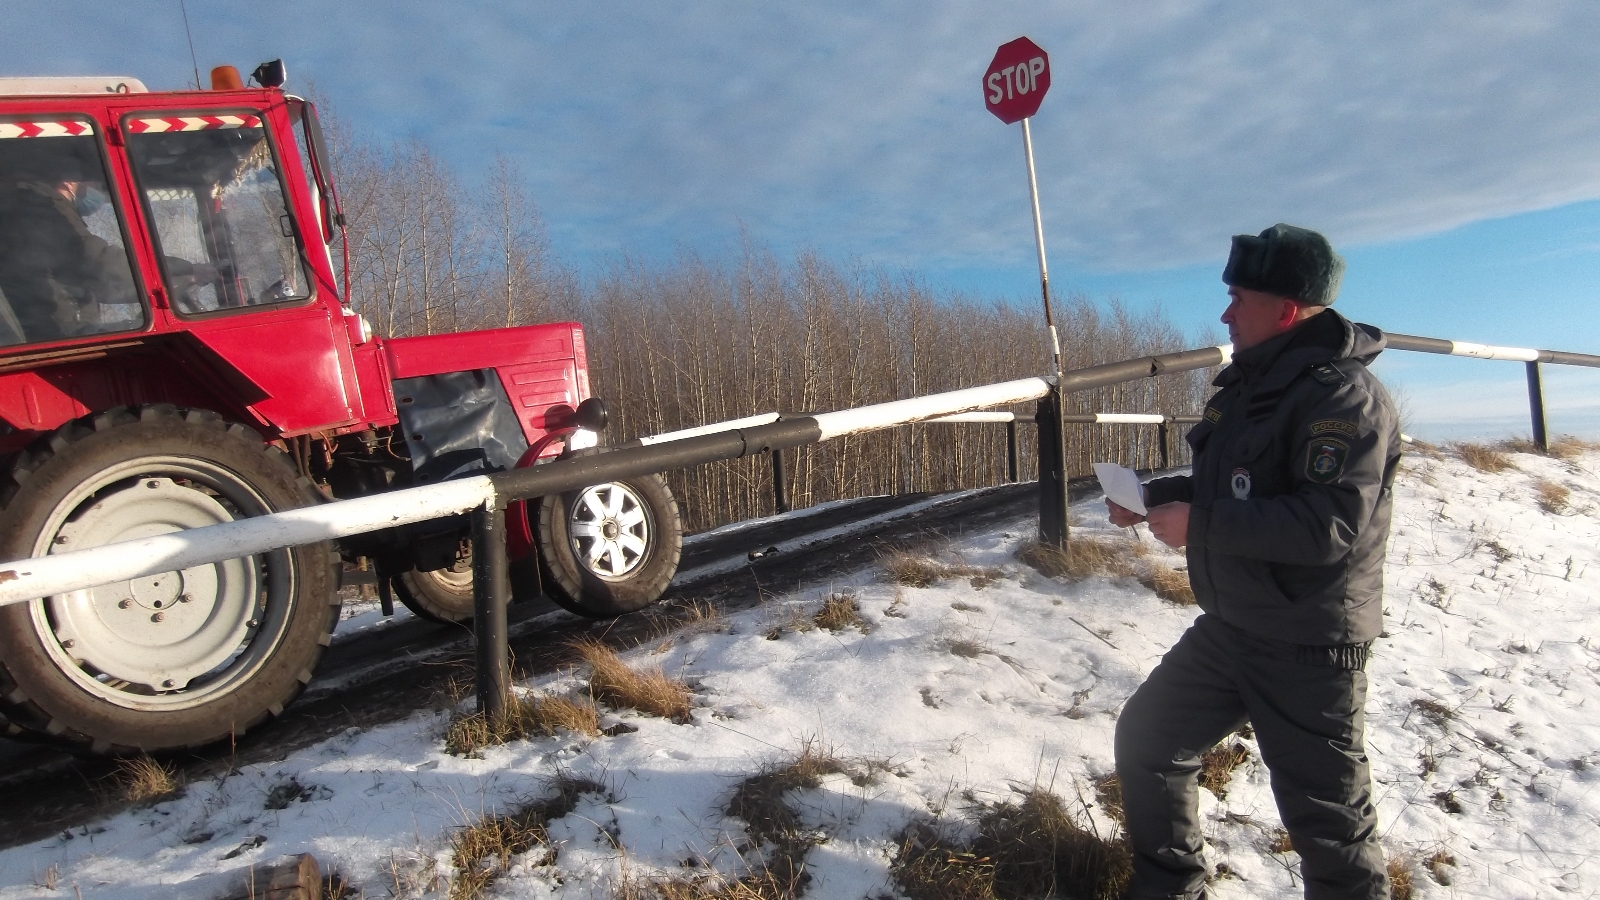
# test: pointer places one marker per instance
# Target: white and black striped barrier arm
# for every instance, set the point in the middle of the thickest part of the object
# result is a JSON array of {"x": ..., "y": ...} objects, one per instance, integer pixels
[{"x": 29, "y": 579}]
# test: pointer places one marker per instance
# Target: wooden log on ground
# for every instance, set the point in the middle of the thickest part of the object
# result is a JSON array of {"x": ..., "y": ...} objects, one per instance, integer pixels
[{"x": 289, "y": 878}]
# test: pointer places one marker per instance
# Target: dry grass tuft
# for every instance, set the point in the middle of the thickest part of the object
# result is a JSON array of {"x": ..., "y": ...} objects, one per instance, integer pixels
[
  {"x": 336, "y": 887},
  {"x": 1439, "y": 863},
  {"x": 1400, "y": 886},
  {"x": 838, "y": 612},
  {"x": 920, "y": 570},
  {"x": 1031, "y": 848},
  {"x": 525, "y": 717},
  {"x": 1169, "y": 584},
  {"x": 1567, "y": 447},
  {"x": 1482, "y": 457},
  {"x": 930, "y": 866},
  {"x": 1217, "y": 765},
  {"x": 760, "y": 799},
  {"x": 481, "y": 853},
  {"x": 142, "y": 779},
  {"x": 1083, "y": 557},
  {"x": 766, "y": 884},
  {"x": 1279, "y": 842},
  {"x": 1552, "y": 497},
  {"x": 686, "y": 617},
  {"x": 966, "y": 648},
  {"x": 1108, "y": 792},
  {"x": 1433, "y": 711},
  {"x": 762, "y": 802},
  {"x": 613, "y": 682}
]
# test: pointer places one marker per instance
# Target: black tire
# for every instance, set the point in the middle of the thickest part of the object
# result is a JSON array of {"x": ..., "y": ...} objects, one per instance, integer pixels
[
  {"x": 443, "y": 595},
  {"x": 636, "y": 524},
  {"x": 172, "y": 660}
]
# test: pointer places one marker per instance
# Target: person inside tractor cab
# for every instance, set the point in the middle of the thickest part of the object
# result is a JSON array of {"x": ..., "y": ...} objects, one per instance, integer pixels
[
  {"x": 64, "y": 271},
  {"x": 55, "y": 271}
]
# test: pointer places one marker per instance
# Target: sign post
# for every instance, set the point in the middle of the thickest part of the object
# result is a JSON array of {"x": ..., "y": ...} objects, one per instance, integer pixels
[{"x": 1013, "y": 87}]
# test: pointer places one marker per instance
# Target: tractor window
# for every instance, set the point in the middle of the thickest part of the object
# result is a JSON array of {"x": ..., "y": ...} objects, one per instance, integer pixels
[
  {"x": 64, "y": 269},
  {"x": 219, "y": 212}
]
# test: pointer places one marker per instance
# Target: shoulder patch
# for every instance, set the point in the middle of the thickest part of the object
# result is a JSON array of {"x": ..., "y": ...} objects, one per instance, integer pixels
[
  {"x": 1325, "y": 459},
  {"x": 1333, "y": 426},
  {"x": 1213, "y": 415},
  {"x": 1328, "y": 373}
]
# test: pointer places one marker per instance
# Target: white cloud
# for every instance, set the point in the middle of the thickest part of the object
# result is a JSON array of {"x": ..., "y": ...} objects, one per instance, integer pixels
[{"x": 860, "y": 129}]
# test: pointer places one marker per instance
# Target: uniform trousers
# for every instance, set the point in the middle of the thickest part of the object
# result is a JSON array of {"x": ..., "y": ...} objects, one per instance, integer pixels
[{"x": 1308, "y": 720}]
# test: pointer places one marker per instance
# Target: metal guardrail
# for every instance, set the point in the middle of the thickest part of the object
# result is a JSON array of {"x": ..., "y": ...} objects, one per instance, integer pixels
[
  {"x": 487, "y": 496},
  {"x": 1532, "y": 358}
]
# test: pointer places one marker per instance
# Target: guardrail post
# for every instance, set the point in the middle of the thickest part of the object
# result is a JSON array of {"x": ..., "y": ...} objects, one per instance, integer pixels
[
  {"x": 1536, "y": 407},
  {"x": 1011, "y": 451},
  {"x": 491, "y": 589},
  {"x": 1052, "y": 472},
  {"x": 780, "y": 494},
  {"x": 1162, "y": 436}
]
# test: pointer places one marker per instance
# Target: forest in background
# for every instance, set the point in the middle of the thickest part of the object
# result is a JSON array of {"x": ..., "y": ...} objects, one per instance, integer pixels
[{"x": 697, "y": 340}]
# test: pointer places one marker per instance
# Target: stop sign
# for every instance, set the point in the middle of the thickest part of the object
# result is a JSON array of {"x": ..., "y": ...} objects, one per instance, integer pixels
[{"x": 1016, "y": 81}]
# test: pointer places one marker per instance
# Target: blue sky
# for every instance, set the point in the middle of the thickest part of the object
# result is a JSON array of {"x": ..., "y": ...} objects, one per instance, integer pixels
[{"x": 1450, "y": 149}]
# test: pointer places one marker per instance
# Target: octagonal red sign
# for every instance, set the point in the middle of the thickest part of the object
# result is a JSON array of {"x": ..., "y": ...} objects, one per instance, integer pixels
[{"x": 1016, "y": 81}]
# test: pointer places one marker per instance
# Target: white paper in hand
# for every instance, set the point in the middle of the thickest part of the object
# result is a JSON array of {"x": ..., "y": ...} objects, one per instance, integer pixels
[{"x": 1121, "y": 486}]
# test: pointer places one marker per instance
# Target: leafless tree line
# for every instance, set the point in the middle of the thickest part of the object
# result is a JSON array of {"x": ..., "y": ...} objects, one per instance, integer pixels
[{"x": 697, "y": 341}]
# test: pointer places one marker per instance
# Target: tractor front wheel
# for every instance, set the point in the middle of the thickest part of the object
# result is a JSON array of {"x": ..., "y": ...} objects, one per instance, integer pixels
[{"x": 611, "y": 548}]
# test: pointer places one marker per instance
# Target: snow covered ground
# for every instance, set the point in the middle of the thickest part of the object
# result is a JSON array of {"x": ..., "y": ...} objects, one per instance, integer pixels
[{"x": 1484, "y": 729}]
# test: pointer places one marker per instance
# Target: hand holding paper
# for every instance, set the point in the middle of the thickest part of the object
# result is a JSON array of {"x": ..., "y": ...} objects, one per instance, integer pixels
[{"x": 1121, "y": 486}]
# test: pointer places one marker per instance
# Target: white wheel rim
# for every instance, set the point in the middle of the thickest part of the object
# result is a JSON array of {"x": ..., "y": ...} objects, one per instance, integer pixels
[
  {"x": 177, "y": 639},
  {"x": 609, "y": 528}
]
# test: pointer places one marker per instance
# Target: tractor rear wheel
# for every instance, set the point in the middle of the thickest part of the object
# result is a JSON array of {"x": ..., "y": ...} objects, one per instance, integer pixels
[{"x": 175, "y": 659}]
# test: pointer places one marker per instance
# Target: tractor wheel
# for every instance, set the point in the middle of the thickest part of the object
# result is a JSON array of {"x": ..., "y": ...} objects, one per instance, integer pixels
[
  {"x": 445, "y": 595},
  {"x": 176, "y": 659},
  {"x": 612, "y": 548},
  {"x": 442, "y": 595}
]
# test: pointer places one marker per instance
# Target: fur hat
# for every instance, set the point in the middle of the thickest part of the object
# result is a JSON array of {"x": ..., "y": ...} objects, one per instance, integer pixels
[{"x": 1287, "y": 261}]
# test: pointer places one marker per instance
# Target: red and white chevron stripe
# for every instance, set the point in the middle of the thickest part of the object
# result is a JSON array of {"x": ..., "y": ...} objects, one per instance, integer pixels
[
  {"x": 163, "y": 124},
  {"x": 67, "y": 128}
]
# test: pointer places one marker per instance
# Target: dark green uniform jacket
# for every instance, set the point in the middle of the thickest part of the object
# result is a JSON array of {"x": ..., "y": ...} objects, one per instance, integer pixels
[{"x": 1290, "y": 491}]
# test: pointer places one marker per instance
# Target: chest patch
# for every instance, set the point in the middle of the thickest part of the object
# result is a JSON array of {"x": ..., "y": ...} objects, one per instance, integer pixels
[
  {"x": 1241, "y": 484},
  {"x": 1325, "y": 460},
  {"x": 1213, "y": 415}
]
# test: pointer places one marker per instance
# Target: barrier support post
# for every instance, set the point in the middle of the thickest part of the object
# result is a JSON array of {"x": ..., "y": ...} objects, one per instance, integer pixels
[
  {"x": 1541, "y": 438},
  {"x": 491, "y": 589},
  {"x": 780, "y": 492},
  {"x": 1052, "y": 472},
  {"x": 1011, "y": 451},
  {"x": 1163, "y": 437}
]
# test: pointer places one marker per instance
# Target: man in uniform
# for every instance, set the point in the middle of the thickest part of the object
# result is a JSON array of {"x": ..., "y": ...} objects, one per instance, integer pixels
[{"x": 1285, "y": 518}]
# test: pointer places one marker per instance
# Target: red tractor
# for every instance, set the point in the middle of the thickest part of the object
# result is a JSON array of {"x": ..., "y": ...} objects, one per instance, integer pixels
[{"x": 175, "y": 352}]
